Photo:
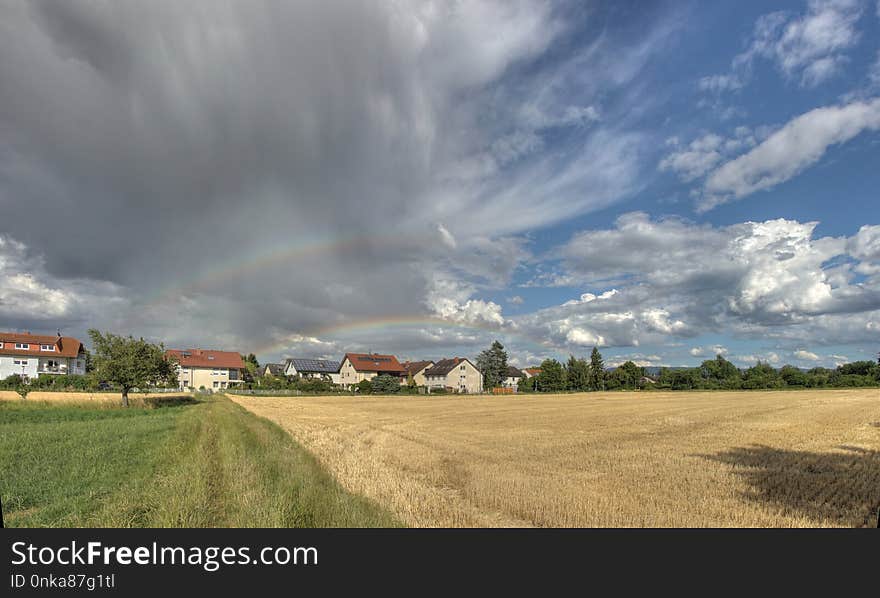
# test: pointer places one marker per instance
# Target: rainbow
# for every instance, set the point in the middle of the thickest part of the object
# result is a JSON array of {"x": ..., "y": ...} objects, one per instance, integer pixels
[
  {"x": 304, "y": 249},
  {"x": 236, "y": 269}
]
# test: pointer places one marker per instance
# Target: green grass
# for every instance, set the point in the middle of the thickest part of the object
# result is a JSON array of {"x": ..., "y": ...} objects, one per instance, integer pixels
[{"x": 211, "y": 464}]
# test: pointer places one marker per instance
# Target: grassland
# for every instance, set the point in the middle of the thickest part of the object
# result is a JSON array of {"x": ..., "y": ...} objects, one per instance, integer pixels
[
  {"x": 769, "y": 459},
  {"x": 209, "y": 464}
]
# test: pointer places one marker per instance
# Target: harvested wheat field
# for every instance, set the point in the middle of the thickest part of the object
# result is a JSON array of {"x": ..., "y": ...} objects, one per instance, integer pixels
[{"x": 769, "y": 459}]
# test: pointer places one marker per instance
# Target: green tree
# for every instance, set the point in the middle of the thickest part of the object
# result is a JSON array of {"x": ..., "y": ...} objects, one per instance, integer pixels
[
  {"x": 793, "y": 376},
  {"x": 90, "y": 367},
  {"x": 597, "y": 370},
  {"x": 364, "y": 387},
  {"x": 385, "y": 385},
  {"x": 719, "y": 369},
  {"x": 628, "y": 375},
  {"x": 685, "y": 379},
  {"x": 252, "y": 359},
  {"x": 577, "y": 372},
  {"x": 761, "y": 375},
  {"x": 492, "y": 363},
  {"x": 552, "y": 376},
  {"x": 130, "y": 362},
  {"x": 858, "y": 368}
]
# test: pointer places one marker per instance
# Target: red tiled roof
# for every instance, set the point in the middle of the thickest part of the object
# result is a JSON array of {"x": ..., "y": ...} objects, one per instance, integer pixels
[
  {"x": 65, "y": 346},
  {"x": 532, "y": 371},
  {"x": 374, "y": 362},
  {"x": 203, "y": 358},
  {"x": 414, "y": 367}
]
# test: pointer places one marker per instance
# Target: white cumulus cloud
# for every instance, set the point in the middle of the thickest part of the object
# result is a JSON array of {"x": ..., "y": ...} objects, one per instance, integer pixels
[{"x": 798, "y": 145}]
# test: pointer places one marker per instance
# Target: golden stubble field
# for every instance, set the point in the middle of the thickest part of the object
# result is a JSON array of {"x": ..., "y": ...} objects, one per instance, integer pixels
[{"x": 769, "y": 459}]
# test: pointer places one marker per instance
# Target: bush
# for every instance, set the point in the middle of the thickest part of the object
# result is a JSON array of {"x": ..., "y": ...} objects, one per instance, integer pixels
[
  {"x": 13, "y": 382},
  {"x": 364, "y": 387},
  {"x": 385, "y": 385}
]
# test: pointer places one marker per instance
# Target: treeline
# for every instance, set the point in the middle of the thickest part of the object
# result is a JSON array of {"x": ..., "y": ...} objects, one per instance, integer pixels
[
  {"x": 383, "y": 385},
  {"x": 713, "y": 374}
]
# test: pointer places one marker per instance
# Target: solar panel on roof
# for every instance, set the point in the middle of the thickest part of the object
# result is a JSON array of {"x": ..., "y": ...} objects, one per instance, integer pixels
[{"x": 315, "y": 365}]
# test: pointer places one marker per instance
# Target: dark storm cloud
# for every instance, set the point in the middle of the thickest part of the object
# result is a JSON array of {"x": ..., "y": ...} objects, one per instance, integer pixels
[{"x": 143, "y": 144}]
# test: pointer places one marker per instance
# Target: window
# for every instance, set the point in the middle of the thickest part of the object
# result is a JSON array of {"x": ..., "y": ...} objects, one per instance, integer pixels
[
  {"x": 1, "y": 345},
  {"x": 215, "y": 372},
  {"x": 22, "y": 346},
  {"x": 462, "y": 368},
  {"x": 216, "y": 384},
  {"x": 19, "y": 361},
  {"x": 47, "y": 347}
]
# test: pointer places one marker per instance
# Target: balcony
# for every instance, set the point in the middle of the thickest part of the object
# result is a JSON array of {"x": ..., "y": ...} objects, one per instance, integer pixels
[{"x": 52, "y": 369}]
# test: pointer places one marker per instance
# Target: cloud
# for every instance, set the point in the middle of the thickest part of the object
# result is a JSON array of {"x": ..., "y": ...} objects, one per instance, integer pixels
[
  {"x": 865, "y": 247},
  {"x": 677, "y": 279},
  {"x": 236, "y": 173},
  {"x": 447, "y": 237},
  {"x": 720, "y": 83},
  {"x": 709, "y": 351},
  {"x": 796, "y": 146},
  {"x": 809, "y": 48},
  {"x": 705, "y": 153},
  {"x": 639, "y": 359},
  {"x": 772, "y": 358},
  {"x": 449, "y": 299},
  {"x": 590, "y": 297},
  {"x": 31, "y": 298},
  {"x": 818, "y": 38},
  {"x": 805, "y": 355},
  {"x": 516, "y": 300}
]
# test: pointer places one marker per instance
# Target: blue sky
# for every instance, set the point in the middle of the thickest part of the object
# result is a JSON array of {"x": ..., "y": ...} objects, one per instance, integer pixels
[{"x": 667, "y": 180}]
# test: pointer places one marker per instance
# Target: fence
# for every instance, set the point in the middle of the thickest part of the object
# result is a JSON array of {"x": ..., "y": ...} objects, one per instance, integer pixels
[
  {"x": 503, "y": 390},
  {"x": 284, "y": 393}
]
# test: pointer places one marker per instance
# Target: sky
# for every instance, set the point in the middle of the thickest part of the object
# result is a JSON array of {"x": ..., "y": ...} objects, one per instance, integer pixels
[{"x": 668, "y": 181}]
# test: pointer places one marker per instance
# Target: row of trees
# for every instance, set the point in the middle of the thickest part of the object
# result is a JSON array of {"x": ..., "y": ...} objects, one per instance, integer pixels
[
  {"x": 720, "y": 374},
  {"x": 713, "y": 374},
  {"x": 580, "y": 375}
]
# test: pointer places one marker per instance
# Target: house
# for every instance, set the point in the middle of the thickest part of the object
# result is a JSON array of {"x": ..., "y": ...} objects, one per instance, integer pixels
[
  {"x": 203, "y": 368},
  {"x": 416, "y": 369},
  {"x": 356, "y": 367},
  {"x": 455, "y": 375},
  {"x": 511, "y": 380},
  {"x": 314, "y": 368},
  {"x": 33, "y": 355},
  {"x": 531, "y": 372},
  {"x": 274, "y": 369}
]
